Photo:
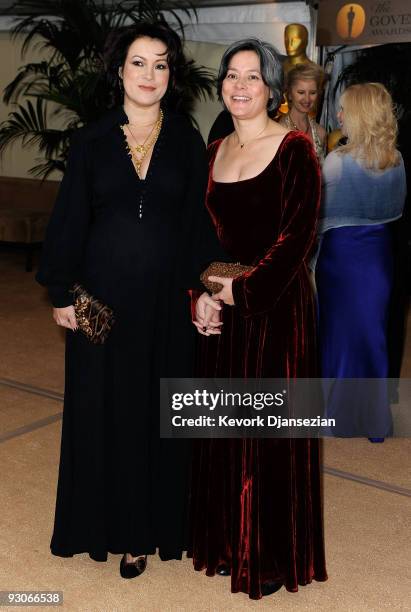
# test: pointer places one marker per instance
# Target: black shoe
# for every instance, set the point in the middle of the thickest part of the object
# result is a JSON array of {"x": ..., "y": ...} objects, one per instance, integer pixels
[
  {"x": 270, "y": 587},
  {"x": 223, "y": 570},
  {"x": 133, "y": 569}
]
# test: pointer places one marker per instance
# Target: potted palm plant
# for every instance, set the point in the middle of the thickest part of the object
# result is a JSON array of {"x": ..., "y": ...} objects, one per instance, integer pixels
[{"x": 67, "y": 89}]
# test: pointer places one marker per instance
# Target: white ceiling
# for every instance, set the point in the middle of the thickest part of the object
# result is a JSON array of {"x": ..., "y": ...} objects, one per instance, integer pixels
[{"x": 6, "y": 4}]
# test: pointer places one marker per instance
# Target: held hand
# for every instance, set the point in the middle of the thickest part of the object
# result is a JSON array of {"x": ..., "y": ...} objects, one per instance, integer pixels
[
  {"x": 226, "y": 293},
  {"x": 65, "y": 317},
  {"x": 207, "y": 319}
]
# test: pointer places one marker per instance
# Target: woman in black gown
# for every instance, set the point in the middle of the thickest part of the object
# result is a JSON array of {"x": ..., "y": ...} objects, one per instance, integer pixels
[{"x": 127, "y": 227}]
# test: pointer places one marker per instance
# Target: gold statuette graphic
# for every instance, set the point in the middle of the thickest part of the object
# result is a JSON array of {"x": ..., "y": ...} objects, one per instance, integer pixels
[{"x": 350, "y": 21}]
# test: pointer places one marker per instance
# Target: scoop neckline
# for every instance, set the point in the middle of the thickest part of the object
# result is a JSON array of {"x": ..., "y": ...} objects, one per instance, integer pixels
[{"x": 252, "y": 178}]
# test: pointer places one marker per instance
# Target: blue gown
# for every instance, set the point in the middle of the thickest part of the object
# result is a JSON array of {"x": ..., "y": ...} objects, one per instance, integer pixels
[{"x": 354, "y": 278}]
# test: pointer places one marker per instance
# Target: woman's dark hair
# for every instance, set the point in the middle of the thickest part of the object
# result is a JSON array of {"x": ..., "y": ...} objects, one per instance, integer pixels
[
  {"x": 270, "y": 66},
  {"x": 119, "y": 42}
]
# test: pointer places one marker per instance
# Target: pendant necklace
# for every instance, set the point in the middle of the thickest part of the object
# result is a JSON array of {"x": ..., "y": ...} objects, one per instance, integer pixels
[
  {"x": 251, "y": 139},
  {"x": 139, "y": 152}
]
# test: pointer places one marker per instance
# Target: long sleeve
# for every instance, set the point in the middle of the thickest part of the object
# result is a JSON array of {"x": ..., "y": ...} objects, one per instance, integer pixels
[
  {"x": 258, "y": 291},
  {"x": 68, "y": 228}
]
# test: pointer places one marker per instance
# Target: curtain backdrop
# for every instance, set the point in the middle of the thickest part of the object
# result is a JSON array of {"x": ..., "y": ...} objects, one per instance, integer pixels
[{"x": 225, "y": 24}]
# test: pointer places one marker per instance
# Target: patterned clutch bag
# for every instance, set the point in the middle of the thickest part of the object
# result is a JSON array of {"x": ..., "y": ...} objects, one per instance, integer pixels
[
  {"x": 226, "y": 270},
  {"x": 94, "y": 318}
]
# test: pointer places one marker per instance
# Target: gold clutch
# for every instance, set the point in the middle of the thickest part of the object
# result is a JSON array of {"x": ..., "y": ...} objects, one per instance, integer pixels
[
  {"x": 94, "y": 319},
  {"x": 225, "y": 270}
]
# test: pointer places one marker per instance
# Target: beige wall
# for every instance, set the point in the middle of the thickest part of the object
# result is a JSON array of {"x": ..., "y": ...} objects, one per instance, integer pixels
[{"x": 16, "y": 160}]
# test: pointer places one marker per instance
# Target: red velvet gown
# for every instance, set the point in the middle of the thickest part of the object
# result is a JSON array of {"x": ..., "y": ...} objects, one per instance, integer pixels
[{"x": 256, "y": 503}]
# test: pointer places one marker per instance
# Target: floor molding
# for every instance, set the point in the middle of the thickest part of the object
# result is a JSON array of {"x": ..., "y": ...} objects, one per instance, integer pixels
[
  {"x": 20, "y": 431},
  {"x": 15, "y": 384},
  {"x": 370, "y": 482}
]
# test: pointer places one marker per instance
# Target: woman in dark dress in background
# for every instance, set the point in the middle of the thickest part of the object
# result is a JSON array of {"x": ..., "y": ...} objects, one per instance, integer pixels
[
  {"x": 126, "y": 227},
  {"x": 256, "y": 503},
  {"x": 364, "y": 188}
]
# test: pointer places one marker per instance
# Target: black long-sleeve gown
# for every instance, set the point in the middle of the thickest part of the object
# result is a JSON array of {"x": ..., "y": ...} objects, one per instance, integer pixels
[{"x": 121, "y": 488}]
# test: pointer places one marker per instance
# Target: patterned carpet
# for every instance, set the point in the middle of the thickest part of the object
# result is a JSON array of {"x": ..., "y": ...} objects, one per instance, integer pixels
[{"x": 367, "y": 491}]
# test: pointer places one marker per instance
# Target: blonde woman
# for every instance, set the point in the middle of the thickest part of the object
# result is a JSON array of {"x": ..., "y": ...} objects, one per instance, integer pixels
[
  {"x": 364, "y": 189},
  {"x": 304, "y": 86}
]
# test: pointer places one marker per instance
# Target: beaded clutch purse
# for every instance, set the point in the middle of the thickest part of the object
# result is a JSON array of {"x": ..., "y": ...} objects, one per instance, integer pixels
[
  {"x": 226, "y": 270},
  {"x": 94, "y": 318}
]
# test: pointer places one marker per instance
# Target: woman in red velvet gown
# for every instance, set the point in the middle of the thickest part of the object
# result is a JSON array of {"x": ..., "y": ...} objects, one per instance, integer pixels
[{"x": 256, "y": 503}]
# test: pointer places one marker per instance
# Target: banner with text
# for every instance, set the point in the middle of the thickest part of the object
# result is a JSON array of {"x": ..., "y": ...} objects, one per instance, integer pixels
[{"x": 363, "y": 23}]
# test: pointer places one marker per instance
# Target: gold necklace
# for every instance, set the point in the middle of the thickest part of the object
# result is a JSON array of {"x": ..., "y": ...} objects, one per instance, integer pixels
[
  {"x": 295, "y": 127},
  {"x": 251, "y": 139},
  {"x": 141, "y": 126},
  {"x": 139, "y": 152}
]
